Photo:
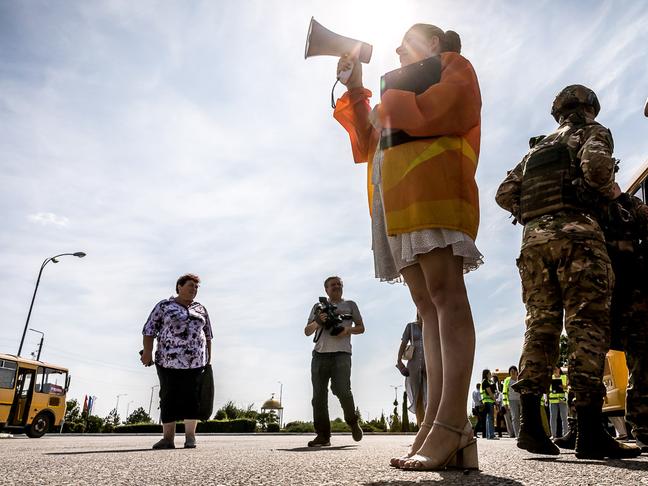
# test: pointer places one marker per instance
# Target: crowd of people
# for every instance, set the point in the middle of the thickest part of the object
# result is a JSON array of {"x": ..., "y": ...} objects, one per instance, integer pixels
[{"x": 421, "y": 144}]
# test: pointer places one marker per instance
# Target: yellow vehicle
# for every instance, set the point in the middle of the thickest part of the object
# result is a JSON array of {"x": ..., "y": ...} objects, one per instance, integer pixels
[
  {"x": 615, "y": 376},
  {"x": 32, "y": 395}
]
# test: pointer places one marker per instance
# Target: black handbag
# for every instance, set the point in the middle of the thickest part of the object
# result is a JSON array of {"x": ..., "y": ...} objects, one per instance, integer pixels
[{"x": 206, "y": 393}]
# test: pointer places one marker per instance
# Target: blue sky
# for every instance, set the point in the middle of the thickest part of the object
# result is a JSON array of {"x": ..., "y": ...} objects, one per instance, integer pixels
[{"x": 171, "y": 137}]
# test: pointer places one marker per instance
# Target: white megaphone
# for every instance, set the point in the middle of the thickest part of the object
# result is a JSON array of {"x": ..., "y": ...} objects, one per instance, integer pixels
[{"x": 322, "y": 42}]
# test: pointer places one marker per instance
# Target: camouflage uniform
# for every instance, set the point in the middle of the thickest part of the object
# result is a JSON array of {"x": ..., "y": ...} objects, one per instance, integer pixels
[
  {"x": 564, "y": 267},
  {"x": 626, "y": 233}
]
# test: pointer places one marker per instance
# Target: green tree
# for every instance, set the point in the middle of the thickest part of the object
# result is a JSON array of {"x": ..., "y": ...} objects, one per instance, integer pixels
[
  {"x": 405, "y": 424},
  {"x": 231, "y": 411},
  {"x": 94, "y": 424},
  {"x": 113, "y": 418},
  {"x": 72, "y": 411},
  {"x": 139, "y": 416},
  {"x": 265, "y": 418}
]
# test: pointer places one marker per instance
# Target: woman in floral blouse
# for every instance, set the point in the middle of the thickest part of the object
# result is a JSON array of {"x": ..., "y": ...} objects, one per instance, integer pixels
[{"x": 183, "y": 331}]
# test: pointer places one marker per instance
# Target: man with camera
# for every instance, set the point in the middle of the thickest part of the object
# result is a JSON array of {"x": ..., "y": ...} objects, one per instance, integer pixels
[{"x": 333, "y": 321}]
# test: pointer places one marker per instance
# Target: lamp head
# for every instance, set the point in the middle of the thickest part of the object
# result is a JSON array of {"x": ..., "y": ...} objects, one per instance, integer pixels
[{"x": 79, "y": 254}]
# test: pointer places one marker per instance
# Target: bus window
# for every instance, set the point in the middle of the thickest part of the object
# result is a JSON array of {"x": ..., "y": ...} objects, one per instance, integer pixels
[
  {"x": 640, "y": 192},
  {"x": 54, "y": 381},
  {"x": 7, "y": 374}
]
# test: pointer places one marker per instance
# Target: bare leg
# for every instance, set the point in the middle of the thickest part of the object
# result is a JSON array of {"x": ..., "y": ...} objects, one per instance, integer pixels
[
  {"x": 190, "y": 429},
  {"x": 416, "y": 284},
  {"x": 420, "y": 410},
  {"x": 168, "y": 431},
  {"x": 444, "y": 279}
]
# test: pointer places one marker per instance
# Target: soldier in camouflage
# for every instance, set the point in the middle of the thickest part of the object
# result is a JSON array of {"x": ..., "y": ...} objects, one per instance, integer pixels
[
  {"x": 564, "y": 267},
  {"x": 625, "y": 224}
]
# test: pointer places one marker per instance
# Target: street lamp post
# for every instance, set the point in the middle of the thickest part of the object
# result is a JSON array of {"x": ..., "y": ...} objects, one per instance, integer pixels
[
  {"x": 117, "y": 404},
  {"x": 151, "y": 400},
  {"x": 128, "y": 408},
  {"x": 40, "y": 345},
  {"x": 280, "y": 403},
  {"x": 78, "y": 254}
]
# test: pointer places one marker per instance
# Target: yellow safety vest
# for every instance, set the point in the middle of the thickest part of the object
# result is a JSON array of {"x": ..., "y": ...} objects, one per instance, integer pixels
[{"x": 557, "y": 397}]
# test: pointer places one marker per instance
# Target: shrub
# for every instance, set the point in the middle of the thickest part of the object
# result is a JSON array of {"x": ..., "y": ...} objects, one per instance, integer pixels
[
  {"x": 273, "y": 427},
  {"x": 94, "y": 424},
  {"x": 299, "y": 427},
  {"x": 73, "y": 427},
  {"x": 141, "y": 428},
  {"x": 339, "y": 425},
  {"x": 367, "y": 427},
  {"x": 215, "y": 426},
  {"x": 227, "y": 426}
]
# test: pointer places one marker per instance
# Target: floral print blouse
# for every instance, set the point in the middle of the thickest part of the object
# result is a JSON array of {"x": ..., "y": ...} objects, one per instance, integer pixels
[{"x": 182, "y": 334}]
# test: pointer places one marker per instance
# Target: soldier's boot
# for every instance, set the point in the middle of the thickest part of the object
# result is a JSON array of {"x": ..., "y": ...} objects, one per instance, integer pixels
[
  {"x": 532, "y": 436},
  {"x": 568, "y": 441},
  {"x": 593, "y": 441},
  {"x": 642, "y": 441}
]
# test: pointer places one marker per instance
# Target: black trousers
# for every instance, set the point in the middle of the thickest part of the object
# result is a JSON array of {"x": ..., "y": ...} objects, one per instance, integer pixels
[{"x": 336, "y": 368}]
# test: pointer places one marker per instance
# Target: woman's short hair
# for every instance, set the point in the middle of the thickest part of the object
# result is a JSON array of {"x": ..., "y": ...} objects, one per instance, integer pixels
[
  {"x": 449, "y": 40},
  {"x": 485, "y": 373},
  {"x": 183, "y": 279},
  {"x": 511, "y": 368}
]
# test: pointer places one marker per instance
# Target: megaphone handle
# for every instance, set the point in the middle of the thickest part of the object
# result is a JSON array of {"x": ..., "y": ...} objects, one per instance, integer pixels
[{"x": 344, "y": 76}]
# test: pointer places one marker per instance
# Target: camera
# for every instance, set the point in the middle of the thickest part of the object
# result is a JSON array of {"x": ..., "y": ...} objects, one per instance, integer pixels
[{"x": 333, "y": 321}]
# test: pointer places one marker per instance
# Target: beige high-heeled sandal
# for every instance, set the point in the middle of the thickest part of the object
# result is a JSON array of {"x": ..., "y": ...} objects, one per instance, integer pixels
[
  {"x": 463, "y": 457},
  {"x": 397, "y": 462}
]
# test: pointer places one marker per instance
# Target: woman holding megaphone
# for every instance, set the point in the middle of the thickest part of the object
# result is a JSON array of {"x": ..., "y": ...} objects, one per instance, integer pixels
[{"x": 422, "y": 144}]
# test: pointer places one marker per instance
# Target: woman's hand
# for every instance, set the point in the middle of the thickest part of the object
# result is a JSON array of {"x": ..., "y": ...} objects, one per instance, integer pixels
[
  {"x": 349, "y": 63},
  {"x": 146, "y": 357},
  {"x": 402, "y": 368}
]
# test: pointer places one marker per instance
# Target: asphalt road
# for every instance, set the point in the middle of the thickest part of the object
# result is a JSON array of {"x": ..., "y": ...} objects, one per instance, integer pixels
[{"x": 284, "y": 460}]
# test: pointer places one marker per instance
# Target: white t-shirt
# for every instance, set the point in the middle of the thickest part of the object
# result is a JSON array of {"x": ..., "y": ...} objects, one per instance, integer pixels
[{"x": 335, "y": 344}]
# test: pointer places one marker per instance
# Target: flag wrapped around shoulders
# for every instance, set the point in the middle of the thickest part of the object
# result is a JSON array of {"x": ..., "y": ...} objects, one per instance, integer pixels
[{"x": 428, "y": 182}]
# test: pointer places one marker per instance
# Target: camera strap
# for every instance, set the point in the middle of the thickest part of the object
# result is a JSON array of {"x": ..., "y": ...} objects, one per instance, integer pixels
[{"x": 318, "y": 334}]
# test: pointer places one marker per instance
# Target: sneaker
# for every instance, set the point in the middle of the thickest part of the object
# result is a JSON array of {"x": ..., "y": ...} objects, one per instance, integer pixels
[
  {"x": 319, "y": 441},
  {"x": 164, "y": 444},
  {"x": 356, "y": 431}
]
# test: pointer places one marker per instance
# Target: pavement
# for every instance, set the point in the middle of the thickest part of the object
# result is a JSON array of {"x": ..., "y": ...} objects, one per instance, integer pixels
[{"x": 260, "y": 459}]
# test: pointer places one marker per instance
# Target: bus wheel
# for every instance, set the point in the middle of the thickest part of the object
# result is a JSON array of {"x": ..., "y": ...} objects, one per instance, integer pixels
[{"x": 39, "y": 426}]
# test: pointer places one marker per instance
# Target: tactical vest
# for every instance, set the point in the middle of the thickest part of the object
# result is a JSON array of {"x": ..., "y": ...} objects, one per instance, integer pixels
[{"x": 548, "y": 182}]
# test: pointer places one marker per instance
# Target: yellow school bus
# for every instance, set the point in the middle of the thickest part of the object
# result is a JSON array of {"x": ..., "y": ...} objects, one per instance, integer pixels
[
  {"x": 615, "y": 376},
  {"x": 32, "y": 395}
]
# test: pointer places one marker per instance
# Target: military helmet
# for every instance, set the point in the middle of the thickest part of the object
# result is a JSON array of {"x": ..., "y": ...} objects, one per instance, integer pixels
[{"x": 572, "y": 97}]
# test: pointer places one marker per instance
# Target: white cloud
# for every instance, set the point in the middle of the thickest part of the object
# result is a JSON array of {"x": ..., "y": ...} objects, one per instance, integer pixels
[
  {"x": 49, "y": 218},
  {"x": 179, "y": 138}
]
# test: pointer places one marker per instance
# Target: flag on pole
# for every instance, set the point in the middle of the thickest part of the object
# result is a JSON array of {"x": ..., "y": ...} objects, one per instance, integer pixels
[
  {"x": 85, "y": 404},
  {"x": 91, "y": 400}
]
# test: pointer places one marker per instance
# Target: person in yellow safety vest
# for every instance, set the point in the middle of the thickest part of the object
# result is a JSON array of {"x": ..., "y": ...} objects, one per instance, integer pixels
[
  {"x": 511, "y": 400},
  {"x": 488, "y": 399},
  {"x": 558, "y": 402}
]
